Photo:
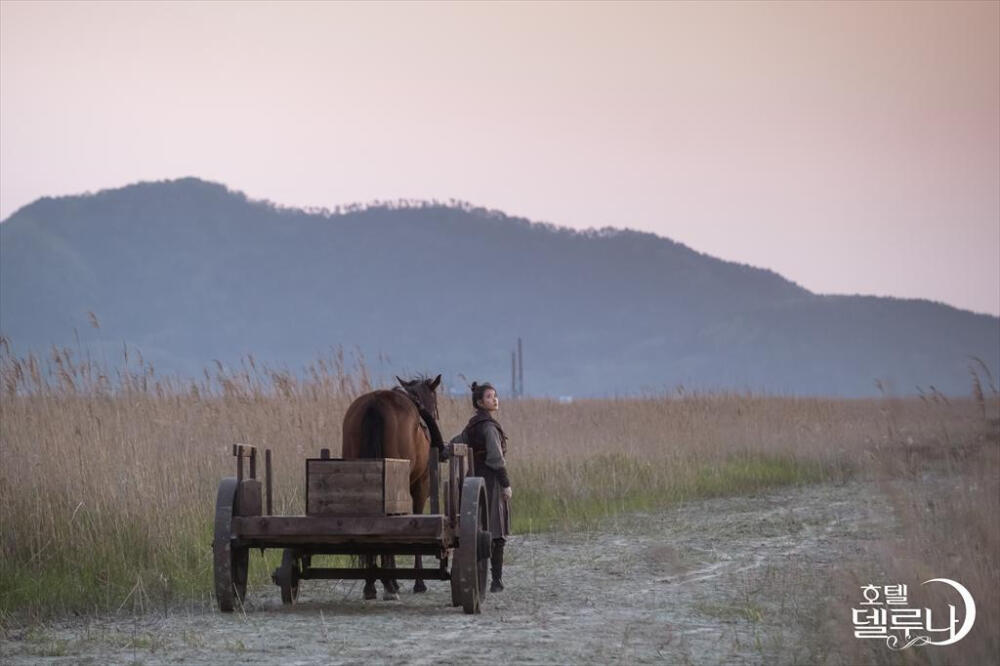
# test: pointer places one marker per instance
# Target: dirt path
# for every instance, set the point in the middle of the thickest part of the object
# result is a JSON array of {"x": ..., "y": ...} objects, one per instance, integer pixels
[{"x": 734, "y": 580}]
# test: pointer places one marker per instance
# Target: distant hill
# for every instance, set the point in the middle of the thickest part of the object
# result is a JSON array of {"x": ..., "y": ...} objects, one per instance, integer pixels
[{"x": 189, "y": 271}]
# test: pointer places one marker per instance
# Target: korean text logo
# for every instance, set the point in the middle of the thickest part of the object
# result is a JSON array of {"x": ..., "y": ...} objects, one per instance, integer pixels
[{"x": 885, "y": 614}]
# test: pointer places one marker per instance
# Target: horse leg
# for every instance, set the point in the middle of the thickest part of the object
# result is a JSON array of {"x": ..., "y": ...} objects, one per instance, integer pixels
[
  {"x": 418, "y": 585},
  {"x": 420, "y": 491},
  {"x": 389, "y": 585},
  {"x": 369, "y": 591}
]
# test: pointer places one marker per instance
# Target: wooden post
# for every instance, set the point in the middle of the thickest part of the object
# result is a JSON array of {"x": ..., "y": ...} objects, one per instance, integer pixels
[
  {"x": 463, "y": 471},
  {"x": 435, "y": 471},
  {"x": 267, "y": 478},
  {"x": 453, "y": 507},
  {"x": 242, "y": 451},
  {"x": 447, "y": 501}
]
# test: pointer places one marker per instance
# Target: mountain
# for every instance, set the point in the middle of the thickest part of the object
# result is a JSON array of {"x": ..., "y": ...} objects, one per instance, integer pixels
[{"x": 189, "y": 271}]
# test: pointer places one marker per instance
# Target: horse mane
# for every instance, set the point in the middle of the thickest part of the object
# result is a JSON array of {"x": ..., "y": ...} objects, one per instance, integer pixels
[{"x": 437, "y": 441}]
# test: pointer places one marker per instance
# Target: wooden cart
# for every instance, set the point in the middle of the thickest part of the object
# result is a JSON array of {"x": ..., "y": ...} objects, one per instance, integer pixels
[{"x": 354, "y": 507}]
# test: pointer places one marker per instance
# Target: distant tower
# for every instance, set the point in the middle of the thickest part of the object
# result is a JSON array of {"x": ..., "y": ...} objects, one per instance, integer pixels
[
  {"x": 520, "y": 369},
  {"x": 513, "y": 374}
]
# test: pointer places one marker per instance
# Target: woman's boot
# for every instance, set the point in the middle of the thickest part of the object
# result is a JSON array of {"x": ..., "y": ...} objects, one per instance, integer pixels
[{"x": 496, "y": 566}]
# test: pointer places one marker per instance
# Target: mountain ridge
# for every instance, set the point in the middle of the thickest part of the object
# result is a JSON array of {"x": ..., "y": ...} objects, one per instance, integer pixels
[
  {"x": 397, "y": 204},
  {"x": 195, "y": 270}
]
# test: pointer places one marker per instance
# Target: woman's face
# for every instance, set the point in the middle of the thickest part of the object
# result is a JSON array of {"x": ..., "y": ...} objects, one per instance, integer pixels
[{"x": 490, "y": 401}]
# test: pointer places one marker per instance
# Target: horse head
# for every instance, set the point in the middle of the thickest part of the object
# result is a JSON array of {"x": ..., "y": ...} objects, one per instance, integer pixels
[{"x": 423, "y": 392}]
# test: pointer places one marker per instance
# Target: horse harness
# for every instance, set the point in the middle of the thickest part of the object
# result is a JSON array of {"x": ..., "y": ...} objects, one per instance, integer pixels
[{"x": 421, "y": 411}]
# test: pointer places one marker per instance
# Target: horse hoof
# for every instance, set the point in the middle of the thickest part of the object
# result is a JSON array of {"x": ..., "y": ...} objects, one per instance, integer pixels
[
  {"x": 419, "y": 587},
  {"x": 370, "y": 594},
  {"x": 390, "y": 596}
]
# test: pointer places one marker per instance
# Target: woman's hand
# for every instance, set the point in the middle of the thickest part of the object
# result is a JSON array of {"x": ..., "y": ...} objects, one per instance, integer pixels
[{"x": 508, "y": 492}]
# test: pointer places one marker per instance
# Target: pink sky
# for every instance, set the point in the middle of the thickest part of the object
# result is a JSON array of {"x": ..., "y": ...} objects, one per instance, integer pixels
[{"x": 851, "y": 147}]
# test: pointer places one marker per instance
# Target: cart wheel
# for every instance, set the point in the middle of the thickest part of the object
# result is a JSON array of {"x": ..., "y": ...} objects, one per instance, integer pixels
[
  {"x": 473, "y": 552},
  {"x": 231, "y": 564},
  {"x": 456, "y": 598},
  {"x": 287, "y": 576}
]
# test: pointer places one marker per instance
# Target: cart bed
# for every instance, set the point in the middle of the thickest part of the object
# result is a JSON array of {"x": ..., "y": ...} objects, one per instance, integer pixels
[{"x": 259, "y": 531}]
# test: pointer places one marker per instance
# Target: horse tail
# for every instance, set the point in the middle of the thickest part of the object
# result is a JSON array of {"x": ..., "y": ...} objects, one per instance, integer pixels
[{"x": 372, "y": 432}]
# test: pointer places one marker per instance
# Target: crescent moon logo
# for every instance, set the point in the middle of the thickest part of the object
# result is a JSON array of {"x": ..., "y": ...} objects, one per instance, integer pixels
[{"x": 970, "y": 610}]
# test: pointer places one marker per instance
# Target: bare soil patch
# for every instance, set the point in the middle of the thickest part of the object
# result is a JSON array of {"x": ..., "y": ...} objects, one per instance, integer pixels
[{"x": 730, "y": 580}]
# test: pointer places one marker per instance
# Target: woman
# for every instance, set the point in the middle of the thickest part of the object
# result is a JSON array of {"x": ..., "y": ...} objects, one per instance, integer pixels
[{"x": 488, "y": 442}]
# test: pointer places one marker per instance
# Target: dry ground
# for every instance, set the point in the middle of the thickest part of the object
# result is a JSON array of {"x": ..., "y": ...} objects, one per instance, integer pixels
[{"x": 733, "y": 580}]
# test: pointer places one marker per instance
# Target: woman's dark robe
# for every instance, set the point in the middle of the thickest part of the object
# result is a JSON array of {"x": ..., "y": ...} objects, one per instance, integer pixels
[{"x": 488, "y": 443}]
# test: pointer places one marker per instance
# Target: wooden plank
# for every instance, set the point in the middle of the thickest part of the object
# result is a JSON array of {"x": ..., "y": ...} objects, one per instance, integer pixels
[
  {"x": 244, "y": 450},
  {"x": 453, "y": 471},
  {"x": 332, "y": 495},
  {"x": 358, "y": 487},
  {"x": 248, "y": 502},
  {"x": 397, "y": 486},
  {"x": 346, "y": 467},
  {"x": 374, "y": 501},
  {"x": 348, "y": 485},
  {"x": 335, "y": 507},
  {"x": 344, "y": 487},
  {"x": 335, "y": 463},
  {"x": 373, "y": 475},
  {"x": 372, "y": 545},
  {"x": 434, "y": 467},
  {"x": 332, "y": 491},
  {"x": 353, "y": 478},
  {"x": 332, "y": 506},
  {"x": 268, "y": 477},
  {"x": 415, "y": 527},
  {"x": 377, "y": 572}
]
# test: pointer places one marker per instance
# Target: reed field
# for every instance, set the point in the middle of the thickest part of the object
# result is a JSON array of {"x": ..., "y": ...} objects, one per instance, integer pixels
[{"x": 108, "y": 476}]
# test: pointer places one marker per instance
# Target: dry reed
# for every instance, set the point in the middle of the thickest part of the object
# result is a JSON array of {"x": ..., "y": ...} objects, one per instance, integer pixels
[{"x": 108, "y": 477}]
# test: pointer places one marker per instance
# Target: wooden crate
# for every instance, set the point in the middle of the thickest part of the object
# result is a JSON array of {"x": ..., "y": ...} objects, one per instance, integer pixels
[{"x": 379, "y": 487}]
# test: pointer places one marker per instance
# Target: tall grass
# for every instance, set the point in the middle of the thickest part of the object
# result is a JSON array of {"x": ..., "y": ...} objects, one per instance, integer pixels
[
  {"x": 945, "y": 494},
  {"x": 108, "y": 476}
]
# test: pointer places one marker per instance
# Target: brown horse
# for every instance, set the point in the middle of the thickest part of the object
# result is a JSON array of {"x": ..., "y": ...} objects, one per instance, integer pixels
[{"x": 387, "y": 424}]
